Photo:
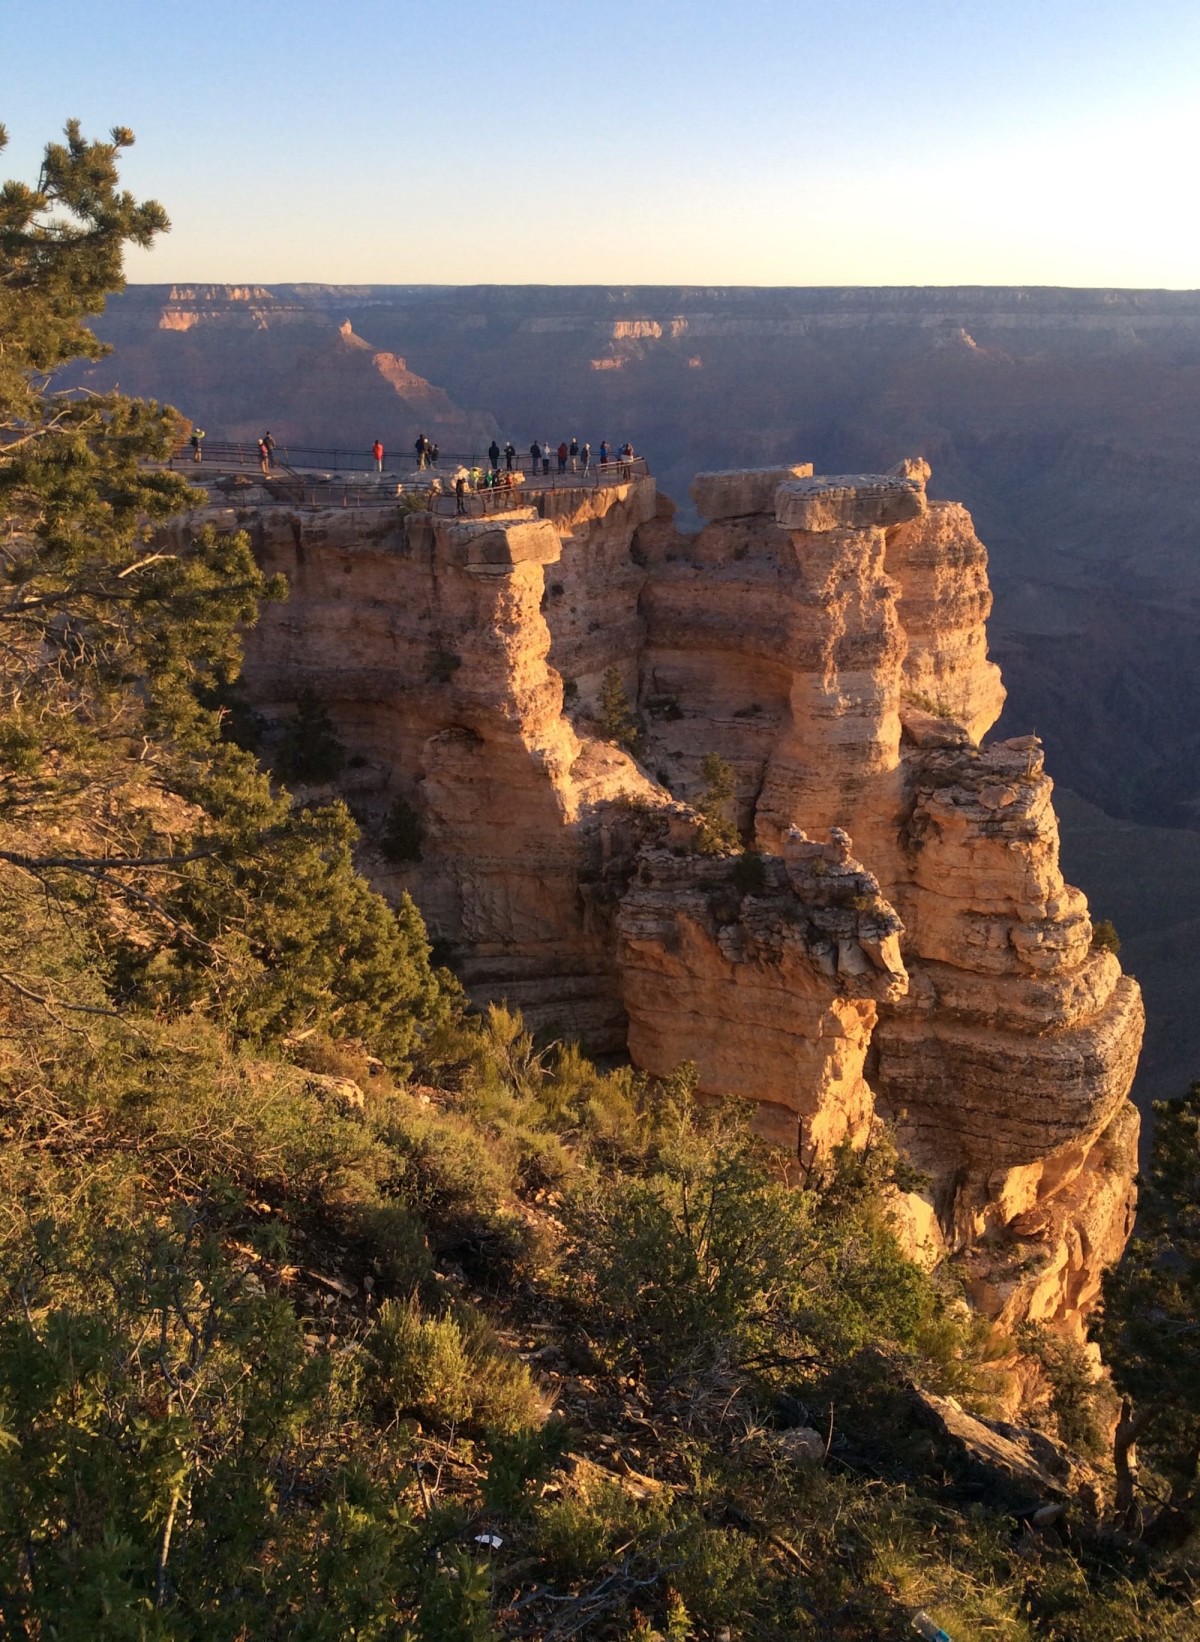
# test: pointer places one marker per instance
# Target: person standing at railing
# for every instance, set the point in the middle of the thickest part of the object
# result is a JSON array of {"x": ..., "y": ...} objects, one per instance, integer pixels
[
  {"x": 574, "y": 453},
  {"x": 510, "y": 451},
  {"x": 603, "y": 452},
  {"x": 422, "y": 449},
  {"x": 545, "y": 458},
  {"x": 377, "y": 453},
  {"x": 264, "y": 457},
  {"x": 433, "y": 455},
  {"x": 535, "y": 457},
  {"x": 585, "y": 457},
  {"x": 562, "y": 456},
  {"x": 268, "y": 445},
  {"x": 197, "y": 436},
  {"x": 460, "y": 493},
  {"x": 494, "y": 456}
]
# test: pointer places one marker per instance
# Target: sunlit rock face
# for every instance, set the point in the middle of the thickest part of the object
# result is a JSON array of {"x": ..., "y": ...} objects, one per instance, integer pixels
[
  {"x": 428, "y": 641},
  {"x": 900, "y": 941}
]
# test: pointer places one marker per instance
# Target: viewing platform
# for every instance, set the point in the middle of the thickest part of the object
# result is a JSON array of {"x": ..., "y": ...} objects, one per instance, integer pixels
[{"x": 316, "y": 478}]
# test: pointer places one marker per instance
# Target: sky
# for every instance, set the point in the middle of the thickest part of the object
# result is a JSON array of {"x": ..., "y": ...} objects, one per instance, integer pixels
[{"x": 747, "y": 142}]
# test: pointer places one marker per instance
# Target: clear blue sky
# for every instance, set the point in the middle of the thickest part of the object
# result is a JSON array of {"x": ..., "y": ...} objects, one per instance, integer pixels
[{"x": 783, "y": 142}]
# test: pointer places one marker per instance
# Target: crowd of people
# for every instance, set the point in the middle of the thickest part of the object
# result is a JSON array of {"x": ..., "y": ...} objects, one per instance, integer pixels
[
  {"x": 571, "y": 456},
  {"x": 504, "y": 470}
]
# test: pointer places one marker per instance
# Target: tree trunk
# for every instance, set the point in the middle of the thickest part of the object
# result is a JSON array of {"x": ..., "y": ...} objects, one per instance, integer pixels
[{"x": 1129, "y": 1428}]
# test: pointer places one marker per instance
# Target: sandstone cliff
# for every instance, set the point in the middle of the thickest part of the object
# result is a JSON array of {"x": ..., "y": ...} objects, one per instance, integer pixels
[{"x": 899, "y": 942}]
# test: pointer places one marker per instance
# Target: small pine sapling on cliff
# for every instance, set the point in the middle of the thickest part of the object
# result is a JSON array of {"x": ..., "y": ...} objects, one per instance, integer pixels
[
  {"x": 614, "y": 715},
  {"x": 717, "y": 831},
  {"x": 1105, "y": 937}
]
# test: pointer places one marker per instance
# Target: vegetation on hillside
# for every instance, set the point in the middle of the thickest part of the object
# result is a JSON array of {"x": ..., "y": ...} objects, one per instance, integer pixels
[{"x": 331, "y": 1309}]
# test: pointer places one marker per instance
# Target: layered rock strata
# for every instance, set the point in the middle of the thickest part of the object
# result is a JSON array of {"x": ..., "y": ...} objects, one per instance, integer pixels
[
  {"x": 426, "y": 641},
  {"x": 899, "y": 942},
  {"x": 846, "y": 627},
  {"x": 768, "y": 976}
]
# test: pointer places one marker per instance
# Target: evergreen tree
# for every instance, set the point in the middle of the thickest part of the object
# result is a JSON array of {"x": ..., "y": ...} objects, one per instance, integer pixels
[
  {"x": 195, "y": 884},
  {"x": 615, "y": 717},
  {"x": 311, "y": 750},
  {"x": 717, "y": 831}
]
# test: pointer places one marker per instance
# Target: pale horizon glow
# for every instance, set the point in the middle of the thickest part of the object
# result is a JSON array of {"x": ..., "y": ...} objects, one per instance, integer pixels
[{"x": 772, "y": 142}]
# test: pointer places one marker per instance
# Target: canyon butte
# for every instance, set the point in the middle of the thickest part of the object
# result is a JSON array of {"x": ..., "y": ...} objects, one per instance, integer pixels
[{"x": 896, "y": 940}]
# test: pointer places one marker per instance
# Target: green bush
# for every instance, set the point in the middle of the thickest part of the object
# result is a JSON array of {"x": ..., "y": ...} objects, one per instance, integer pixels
[
  {"x": 449, "y": 1371},
  {"x": 750, "y": 873},
  {"x": 614, "y": 716},
  {"x": 1105, "y": 937},
  {"x": 402, "y": 833},
  {"x": 1083, "y": 1405},
  {"x": 717, "y": 832},
  {"x": 310, "y": 751},
  {"x": 442, "y": 666}
]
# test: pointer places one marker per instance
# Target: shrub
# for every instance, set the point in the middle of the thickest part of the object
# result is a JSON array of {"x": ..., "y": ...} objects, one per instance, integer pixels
[
  {"x": 398, "y": 1245},
  {"x": 460, "y": 1180},
  {"x": 1105, "y": 937},
  {"x": 450, "y": 1371},
  {"x": 310, "y": 750},
  {"x": 750, "y": 873},
  {"x": 1079, "y": 1402},
  {"x": 519, "y": 1458},
  {"x": 442, "y": 667},
  {"x": 614, "y": 717},
  {"x": 717, "y": 831},
  {"x": 402, "y": 832},
  {"x": 691, "y": 1254}
]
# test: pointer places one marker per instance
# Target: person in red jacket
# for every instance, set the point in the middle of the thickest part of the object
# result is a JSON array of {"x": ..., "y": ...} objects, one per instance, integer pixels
[
  {"x": 377, "y": 453},
  {"x": 562, "y": 457}
]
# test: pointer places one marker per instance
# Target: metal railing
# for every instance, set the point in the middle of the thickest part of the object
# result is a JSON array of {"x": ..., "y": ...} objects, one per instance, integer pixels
[
  {"x": 238, "y": 455},
  {"x": 295, "y": 476}
]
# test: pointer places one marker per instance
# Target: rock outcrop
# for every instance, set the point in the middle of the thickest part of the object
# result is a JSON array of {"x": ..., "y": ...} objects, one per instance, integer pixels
[{"x": 897, "y": 940}]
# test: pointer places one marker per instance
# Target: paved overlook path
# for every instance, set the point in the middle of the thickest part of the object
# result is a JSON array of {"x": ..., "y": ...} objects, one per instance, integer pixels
[{"x": 340, "y": 478}]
